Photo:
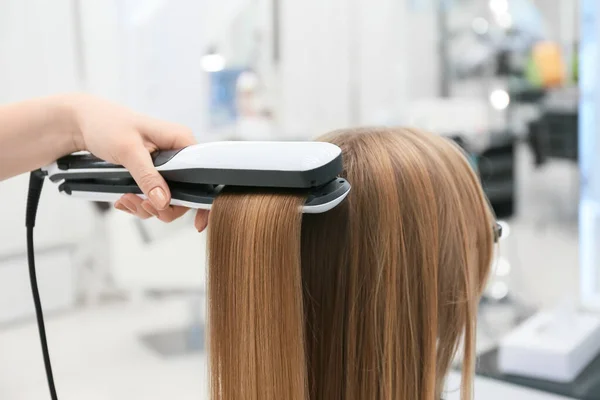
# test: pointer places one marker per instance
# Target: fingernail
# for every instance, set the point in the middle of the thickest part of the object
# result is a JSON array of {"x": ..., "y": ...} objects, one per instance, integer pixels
[
  {"x": 203, "y": 227},
  {"x": 149, "y": 209},
  {"x": 158, "y": 198}
]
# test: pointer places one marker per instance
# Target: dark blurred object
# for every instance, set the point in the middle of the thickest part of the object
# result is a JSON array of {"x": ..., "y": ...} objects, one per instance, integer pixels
[
  {"x": 561, "y": 130},
  {"x": 458, "y": 139},
  {"x": 102, "y": 207},
  {"x": 527, "y": 95},
  {"x": 523, "y": 91},
  {"x": 504, "y": 66},
  {"x": 497, "y": 171},
  {"x": 585, "y": 387},
  {"x": 555, "y": 133},
  {"x": 496, "y": 165},
  {"x": 538, "y": 142}
]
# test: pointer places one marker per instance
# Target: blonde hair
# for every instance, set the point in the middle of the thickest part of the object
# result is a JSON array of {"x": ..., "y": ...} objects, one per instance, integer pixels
[{"x": 367, "y": 301}]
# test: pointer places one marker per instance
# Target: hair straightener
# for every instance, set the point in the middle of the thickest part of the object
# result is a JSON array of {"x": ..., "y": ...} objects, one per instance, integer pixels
[{"x": 195, "y": 175}]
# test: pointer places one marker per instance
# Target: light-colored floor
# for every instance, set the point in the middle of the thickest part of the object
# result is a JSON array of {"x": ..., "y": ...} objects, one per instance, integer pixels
[{"x": 97, "y": 354}]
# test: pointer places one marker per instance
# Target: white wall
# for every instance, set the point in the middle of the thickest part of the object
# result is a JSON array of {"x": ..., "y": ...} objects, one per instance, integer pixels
[
  {"x": 343, "y": 63},
  {"x": 314, "y": 69},
  {"x": 382, "y": 54},
  {"x": 100, "y": 48},
  {"x": 37, "y": 48},
  {"x": 421, "y": 56}
]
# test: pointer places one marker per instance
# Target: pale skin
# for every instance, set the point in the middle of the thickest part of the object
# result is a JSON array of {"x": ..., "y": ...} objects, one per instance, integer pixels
[{"x": 36, "y": 132}]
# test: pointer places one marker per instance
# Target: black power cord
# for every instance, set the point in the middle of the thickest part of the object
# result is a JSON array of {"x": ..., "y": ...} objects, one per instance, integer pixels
[{"x": 36, "y": 183}]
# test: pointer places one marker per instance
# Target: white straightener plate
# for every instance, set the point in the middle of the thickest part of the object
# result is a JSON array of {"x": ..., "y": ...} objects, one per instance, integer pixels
[{"x": 320, "y": 200}]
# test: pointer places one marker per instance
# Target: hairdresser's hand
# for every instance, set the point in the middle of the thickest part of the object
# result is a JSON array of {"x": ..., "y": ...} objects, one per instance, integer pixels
[{"x": 121, "y": 136}]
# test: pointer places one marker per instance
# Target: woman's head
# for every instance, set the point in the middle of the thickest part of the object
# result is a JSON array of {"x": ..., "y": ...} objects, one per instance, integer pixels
[
  {"x": 379, "y": 291},
  {"x": 412, "y": 247}
]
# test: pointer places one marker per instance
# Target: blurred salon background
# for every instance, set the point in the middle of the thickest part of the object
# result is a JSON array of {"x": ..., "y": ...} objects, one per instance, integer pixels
[{"x": 512, "y": 81}]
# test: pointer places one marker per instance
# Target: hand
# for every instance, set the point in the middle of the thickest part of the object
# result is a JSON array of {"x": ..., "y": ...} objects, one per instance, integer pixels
[{"x": 121, "y": 136}]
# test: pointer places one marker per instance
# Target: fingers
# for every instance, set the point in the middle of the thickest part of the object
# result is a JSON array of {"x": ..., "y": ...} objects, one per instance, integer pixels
[
  {"x": 139, "y": 163},
  {"x": 132, "y": 204},
  {"x": 154, "y": 133},
  {"x": 201, "y": 221},
  {"x": 143, "y": 209},
  {"x": 169, "y": 214}
]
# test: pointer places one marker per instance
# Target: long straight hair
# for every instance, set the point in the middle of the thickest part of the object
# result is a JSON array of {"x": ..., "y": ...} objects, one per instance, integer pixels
[
  {"x": 256, "y": 339},
  {"x": 367, "y": 301}
]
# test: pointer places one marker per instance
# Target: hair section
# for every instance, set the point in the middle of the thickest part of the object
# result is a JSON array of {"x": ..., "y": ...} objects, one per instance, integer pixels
[{"x": 256, "y": 335}]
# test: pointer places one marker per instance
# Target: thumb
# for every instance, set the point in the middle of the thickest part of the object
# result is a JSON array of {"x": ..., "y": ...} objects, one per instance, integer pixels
[{"x": 139, "y": 163}]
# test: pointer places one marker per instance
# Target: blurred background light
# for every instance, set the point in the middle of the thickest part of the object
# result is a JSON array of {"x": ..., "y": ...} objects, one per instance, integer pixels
[
  {"x": 499, "y": 6},
  {"x": 480, "y": 26},
  {"x": 499, "y": 99},
  {"x": 213, "y": 62}
]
